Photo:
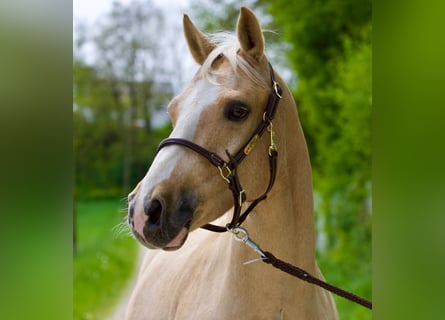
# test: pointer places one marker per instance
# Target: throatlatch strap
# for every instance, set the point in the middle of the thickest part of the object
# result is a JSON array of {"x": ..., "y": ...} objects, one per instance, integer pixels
[
  {"x": 273, "y": 173},
  {"x": 237, "y": 208}
]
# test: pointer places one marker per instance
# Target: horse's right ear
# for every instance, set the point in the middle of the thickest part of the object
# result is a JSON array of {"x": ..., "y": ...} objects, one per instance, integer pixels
[
  {"x": 249, "y": 33},
  {"x": 199, "y": 44}
]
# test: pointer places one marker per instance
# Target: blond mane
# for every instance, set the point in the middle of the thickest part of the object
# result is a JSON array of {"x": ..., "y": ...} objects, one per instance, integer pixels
[{"x": 228, "y": 45}]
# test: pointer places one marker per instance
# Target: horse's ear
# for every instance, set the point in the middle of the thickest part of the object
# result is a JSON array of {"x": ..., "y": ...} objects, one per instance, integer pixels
[
  {"x": 249, "y": 33},
  {"x": 199, "y": 44}
]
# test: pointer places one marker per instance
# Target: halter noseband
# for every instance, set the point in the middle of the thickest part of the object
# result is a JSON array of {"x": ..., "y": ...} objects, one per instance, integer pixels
[{"x": 227, "y": 169}]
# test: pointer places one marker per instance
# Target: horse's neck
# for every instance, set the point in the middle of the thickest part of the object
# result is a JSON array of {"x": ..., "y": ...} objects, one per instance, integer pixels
[{"x": 284, "y": 223}]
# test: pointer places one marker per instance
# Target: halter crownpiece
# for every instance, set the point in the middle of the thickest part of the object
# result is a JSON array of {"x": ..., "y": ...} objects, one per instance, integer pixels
[{"x": 227, "y": 169}]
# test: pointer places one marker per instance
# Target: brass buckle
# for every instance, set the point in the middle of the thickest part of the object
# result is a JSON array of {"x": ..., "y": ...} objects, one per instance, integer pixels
[
  {"x": 240, "y": 197},
  {"x": 275, "y": 87},
  {"x": 228, "y": 173}
]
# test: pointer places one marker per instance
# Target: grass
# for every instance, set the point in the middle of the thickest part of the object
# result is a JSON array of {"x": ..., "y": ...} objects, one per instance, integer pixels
[{"x": 105, "y": 259}]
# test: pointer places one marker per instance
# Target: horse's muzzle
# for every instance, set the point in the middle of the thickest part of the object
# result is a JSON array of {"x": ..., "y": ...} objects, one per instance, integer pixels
[{"x": 162, "y": 224}]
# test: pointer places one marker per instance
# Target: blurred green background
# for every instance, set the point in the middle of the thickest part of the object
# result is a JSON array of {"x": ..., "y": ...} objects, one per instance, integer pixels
[{"x": 124, "y": 75}]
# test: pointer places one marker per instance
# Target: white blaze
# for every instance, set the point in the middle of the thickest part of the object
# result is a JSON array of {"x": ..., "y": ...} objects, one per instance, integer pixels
[{"x": 202, "y": 95}]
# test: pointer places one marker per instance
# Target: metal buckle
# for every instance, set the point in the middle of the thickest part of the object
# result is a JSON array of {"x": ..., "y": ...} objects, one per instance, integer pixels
[
  {"x": 240, "y": 197},
  {"x": 225, "y": 176},
  {"x": 241, "y": 234},
  {"x": 275, "y": 87}
]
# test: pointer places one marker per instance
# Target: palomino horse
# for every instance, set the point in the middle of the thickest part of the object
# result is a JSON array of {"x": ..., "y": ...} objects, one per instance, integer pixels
[{"x": 228, "y": 99}]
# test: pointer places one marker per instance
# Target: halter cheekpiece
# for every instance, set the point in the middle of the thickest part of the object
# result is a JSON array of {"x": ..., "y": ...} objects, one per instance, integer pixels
[{"x": 227, "y": 169}]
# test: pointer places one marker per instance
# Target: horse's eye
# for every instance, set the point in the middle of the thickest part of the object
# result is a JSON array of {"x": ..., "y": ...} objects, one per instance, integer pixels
[{"x": 236, "y": 111}]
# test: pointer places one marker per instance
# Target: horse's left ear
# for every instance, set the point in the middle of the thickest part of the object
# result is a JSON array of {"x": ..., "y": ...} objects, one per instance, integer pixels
[{"x": 249, "y": 33}]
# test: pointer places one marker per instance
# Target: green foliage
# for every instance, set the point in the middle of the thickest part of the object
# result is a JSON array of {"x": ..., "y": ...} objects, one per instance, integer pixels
[
  {"x": 343, "y": 168},
  {"x": 99, "y": 157},
  {"x": 115, "y": 97},
  {"x": 105, "y": 259},
  {"x": 101, "y": 133}
]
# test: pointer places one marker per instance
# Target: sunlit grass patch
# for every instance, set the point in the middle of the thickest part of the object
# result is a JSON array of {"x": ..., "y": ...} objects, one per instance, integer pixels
[{"x": 105, "y": 258}]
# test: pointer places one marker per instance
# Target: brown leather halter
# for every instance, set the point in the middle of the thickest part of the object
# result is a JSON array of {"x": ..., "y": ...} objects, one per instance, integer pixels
[
  {"x": 227, "y": 169},
  {"x": 228, "y": 172}
]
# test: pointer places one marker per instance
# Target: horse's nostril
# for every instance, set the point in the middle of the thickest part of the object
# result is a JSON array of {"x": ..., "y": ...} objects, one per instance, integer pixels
[{"x": 154, "y": 211}]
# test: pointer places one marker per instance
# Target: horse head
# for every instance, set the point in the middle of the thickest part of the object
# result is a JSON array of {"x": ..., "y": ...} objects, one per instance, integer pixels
[{"x": 217, "y": 111}]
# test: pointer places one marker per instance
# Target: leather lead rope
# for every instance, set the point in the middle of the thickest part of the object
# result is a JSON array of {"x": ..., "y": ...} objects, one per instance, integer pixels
[
  {"x": 241, "y": 234},
  {"x": 305, "y": 276}
]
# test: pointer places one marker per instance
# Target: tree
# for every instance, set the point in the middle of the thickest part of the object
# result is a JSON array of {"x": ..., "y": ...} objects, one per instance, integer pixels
[
  {"x": 127, "y": 54},
  {"x": 114, "y": 94}
]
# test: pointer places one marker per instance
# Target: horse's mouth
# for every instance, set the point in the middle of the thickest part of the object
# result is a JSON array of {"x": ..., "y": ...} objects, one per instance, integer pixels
[
  {"x": 162, "y": 240},
  {"x": 178, "y": 240}
]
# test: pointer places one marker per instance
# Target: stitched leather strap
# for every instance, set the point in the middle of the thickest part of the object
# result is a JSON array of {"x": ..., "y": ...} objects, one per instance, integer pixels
[
  {"x": 306, "y": 276},
  {"x": 212, "y": 157}
]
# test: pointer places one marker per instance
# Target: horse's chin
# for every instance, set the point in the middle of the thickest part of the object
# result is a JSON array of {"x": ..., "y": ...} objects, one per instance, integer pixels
[{"x": 177, "y": 241}]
